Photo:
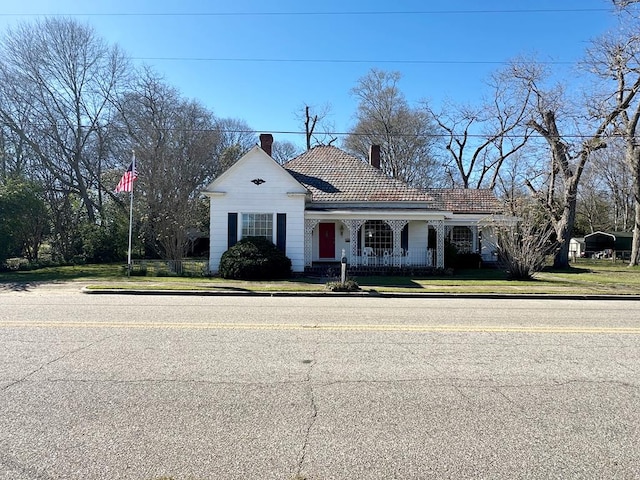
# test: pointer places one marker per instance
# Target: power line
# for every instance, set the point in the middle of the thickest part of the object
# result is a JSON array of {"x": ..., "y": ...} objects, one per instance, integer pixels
[
  {"x": 329, "y": 13},
  {"x": 335, "y": 133},
  {"x": 345, "y": 61}
]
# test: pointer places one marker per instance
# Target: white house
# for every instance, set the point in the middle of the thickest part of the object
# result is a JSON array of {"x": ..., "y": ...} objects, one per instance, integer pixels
[{"x": 326, "y": 201}]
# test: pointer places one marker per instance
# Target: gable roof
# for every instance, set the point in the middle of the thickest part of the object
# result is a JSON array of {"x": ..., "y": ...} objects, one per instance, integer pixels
[
  {"x": 333, "y": 175},
  {"x": 254, "y": 162}
]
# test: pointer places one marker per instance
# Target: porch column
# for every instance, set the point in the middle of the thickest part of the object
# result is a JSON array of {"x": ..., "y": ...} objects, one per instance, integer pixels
[
  {"x": 396, "y": 228},
  {"x": 309, "y": 225},
  {"x": 447, "y": 231},
  {"x": 474, "y": 236},
  {"x": 354, "y": 226},
  {"x": 438, "y": 225}
]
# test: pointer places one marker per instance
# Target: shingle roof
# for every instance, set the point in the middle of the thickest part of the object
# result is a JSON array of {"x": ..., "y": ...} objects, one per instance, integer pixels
[
  {"x": 467, "y": 200},
  {"x": 333, "y": 175}
]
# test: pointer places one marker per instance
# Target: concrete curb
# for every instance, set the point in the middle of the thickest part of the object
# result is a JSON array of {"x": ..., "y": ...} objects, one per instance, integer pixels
[{"x": 362, "y": 294}]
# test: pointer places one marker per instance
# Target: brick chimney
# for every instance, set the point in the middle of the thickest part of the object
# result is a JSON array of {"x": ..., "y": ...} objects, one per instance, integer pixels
[
  {"x": 266, "y": 141},
  {"x": 374, "y": 156}
]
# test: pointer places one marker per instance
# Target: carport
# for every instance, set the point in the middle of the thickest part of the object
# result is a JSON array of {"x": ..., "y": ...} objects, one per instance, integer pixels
[{"x": 608, "y": 244}]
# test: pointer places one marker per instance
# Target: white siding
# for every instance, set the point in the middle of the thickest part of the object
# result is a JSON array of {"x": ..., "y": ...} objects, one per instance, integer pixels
[
  {"x": 418, "y": 237},
  {"x": 235, "y": 192},
  {"x": 489, "y": 244}
]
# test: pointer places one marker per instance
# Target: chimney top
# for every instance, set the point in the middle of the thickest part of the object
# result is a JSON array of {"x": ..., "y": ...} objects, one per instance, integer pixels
[
  {"x": 374, "y": 156},
  {"x": 266, "y": 141}
]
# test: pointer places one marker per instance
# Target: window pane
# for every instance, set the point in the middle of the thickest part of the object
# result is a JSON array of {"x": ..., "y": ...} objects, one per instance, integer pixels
[
  {"x": 257, "y": 225},
  {"x": 462, "y": 238},
  {"x": 379, "y": 236}
]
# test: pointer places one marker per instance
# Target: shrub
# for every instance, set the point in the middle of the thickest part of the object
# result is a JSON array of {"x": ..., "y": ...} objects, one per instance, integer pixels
[
  {"x": 523, "y": 246},
  {"x": 467, "y": 260},
  {"x": 450, "y": 253},
  {"x": 347, "y": 286},
  {"x": 101, "y": 245},
  {"x": 254, "y": 258}
]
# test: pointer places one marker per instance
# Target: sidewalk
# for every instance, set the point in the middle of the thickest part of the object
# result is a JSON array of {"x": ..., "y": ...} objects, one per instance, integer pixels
[{"x": 365, "y": 293}]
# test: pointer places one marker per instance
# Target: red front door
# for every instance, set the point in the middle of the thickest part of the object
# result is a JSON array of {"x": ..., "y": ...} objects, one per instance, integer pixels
[{"x": 327, "y": 232}]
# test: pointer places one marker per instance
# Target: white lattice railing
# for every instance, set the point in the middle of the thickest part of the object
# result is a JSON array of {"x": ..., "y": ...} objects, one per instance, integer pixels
[{"x": 384, "y": 258}]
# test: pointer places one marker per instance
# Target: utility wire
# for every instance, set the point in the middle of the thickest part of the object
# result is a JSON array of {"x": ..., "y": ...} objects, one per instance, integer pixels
[
  {"x": 329, "y": 13},
  {"x": 345, "y": 61},
  {"x": 337, "y": 134},
  {"x": 310, "y": 14}
]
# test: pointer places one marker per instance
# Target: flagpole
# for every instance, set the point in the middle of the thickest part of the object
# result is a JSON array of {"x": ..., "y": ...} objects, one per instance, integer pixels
[{"x": 133, "y": 162}]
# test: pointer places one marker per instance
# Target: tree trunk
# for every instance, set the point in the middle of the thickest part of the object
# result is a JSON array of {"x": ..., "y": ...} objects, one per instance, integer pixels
[
  {"x": 564, "y": 229},
  {"x": 635, "y": 247},
  {"x": 633, "y": 161}
]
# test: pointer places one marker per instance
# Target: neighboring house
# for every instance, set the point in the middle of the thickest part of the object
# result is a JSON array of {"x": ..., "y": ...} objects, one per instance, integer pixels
[
  {"x": 606, "y": 244},
  {"x": 577, "y": 247},
  {"x": 325, "y": 202}
]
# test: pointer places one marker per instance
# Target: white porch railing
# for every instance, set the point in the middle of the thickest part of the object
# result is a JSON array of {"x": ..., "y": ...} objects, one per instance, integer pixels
[{"x": 368, "y": 257}]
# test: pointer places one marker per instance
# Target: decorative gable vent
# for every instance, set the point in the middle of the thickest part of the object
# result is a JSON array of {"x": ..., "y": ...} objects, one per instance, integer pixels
[{"x": 258, "y": 181}]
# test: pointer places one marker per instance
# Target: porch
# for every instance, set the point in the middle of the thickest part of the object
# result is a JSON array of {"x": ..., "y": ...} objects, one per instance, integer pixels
[
  {"x": 375, "y": 243},
  {"x": 333, "y": 270},
  {"x": 379, "y": 257}
]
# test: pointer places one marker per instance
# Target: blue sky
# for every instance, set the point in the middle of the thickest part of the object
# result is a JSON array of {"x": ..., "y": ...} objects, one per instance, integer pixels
[{"x": 262, "y": 61}]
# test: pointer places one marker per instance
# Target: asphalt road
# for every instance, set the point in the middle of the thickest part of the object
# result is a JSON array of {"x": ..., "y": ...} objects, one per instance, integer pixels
[{"x": 150, "y": 387}]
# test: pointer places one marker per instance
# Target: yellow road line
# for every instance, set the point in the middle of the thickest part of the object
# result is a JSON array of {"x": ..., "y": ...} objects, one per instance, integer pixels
[{"x": 323, "y": 327}]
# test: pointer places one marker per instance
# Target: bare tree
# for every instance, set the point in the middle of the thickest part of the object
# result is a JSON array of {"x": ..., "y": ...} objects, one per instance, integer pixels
[
  {"x": 15, "y": 153},
  {"x": 618, "y": 58},
  {"x": 605, "y": 195},
  {"x": 625, "y": 4},
  {"x": 569, "y": 149},
  {"x": 480, "y": 140},
  {"x": 523, "y": 246},
  {"x": 284, "y": 150},
  {"x": 511, "y": 182},
  {"x": 235, "y": 139},
  {"x": 312, "y": 118},
  {"x": 175, "y": 142},
  {"x": 594, "y": 210},
  {"x": 406, "y": 135},
  {"x": 61, "y": 77}
]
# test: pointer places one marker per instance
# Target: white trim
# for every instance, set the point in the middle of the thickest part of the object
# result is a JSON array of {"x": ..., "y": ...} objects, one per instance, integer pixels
[
  {"x": 600, "y": 233},
  {"x": 375, "y": 215}
]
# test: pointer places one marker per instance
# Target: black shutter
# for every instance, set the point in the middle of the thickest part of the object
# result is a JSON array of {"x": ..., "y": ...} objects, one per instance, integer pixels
[
  {"x": 404, "y": 238},
  {"x": 281, "y": 232},
  {"x": 232, "y": 229}
]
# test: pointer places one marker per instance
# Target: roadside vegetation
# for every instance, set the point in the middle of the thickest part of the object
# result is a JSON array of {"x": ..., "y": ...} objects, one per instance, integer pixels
[{"x": 585, "y": 277}]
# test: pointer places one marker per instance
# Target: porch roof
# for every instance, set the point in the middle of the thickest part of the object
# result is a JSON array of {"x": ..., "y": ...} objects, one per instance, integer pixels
[{"x": 468, "y": 200}]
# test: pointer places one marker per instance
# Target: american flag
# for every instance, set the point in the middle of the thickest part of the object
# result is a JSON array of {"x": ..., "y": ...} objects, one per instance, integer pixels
[{"x": 126, "y": 182}]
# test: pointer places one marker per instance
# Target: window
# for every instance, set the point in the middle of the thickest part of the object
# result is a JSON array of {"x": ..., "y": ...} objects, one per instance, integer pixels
[
  {"x": 378, "y": 235},
  {"x": 462, "y": 238},
  {"x": 257, "y": 225}
]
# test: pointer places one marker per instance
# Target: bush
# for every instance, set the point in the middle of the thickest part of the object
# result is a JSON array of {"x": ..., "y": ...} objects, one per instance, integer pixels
[
  {"x": 523, "y": 246},
  {"x": 347, "y": 286},
  {"x": 467, "y": 260},
  {"x": 101, "y": 245},
  {"x": 450, "y": 254},
  {"x": 254, "y": 258}
]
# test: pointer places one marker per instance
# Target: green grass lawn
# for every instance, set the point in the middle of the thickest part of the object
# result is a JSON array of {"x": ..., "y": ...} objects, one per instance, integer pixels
[{"x": 584, "y": 278}]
